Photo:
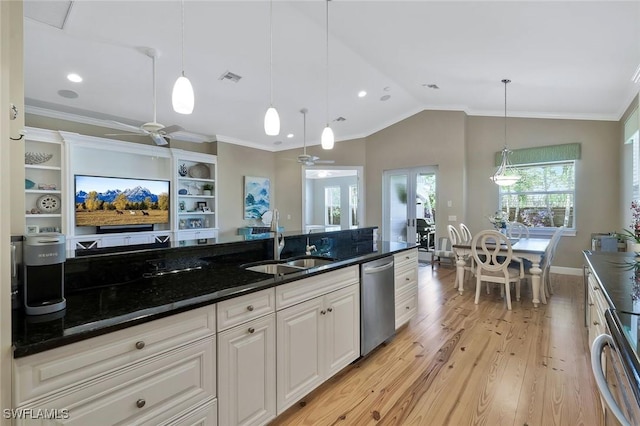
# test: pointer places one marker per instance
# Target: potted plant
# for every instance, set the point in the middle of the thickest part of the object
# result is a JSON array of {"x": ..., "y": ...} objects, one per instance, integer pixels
[
  {"x": 632, "y": 236},
  {"x": 207, "y": 188}
]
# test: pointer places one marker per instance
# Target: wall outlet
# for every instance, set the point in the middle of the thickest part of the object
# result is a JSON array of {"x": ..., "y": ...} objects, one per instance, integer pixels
[
  {"x": 288, "y": 217},
  {"x": 453, "y": 218},
  {"x": 449, "y": 203}
]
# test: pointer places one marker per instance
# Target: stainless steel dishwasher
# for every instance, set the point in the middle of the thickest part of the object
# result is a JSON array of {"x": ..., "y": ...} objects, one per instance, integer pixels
[{"x": 377, "y": 303}]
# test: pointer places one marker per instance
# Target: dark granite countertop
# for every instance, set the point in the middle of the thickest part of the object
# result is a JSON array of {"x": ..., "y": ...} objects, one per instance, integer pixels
[
  {"x": 616, "y": 271},
  {"x": 98, "y": 310}
]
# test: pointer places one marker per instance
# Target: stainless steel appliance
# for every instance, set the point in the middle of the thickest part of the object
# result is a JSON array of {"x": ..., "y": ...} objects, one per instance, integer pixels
[
  {"x": 616, "y": 368},
  {"x": 377, "y": 303},
  {"x": 44, "y": 256},
  {"x": 16, "y": 271}
]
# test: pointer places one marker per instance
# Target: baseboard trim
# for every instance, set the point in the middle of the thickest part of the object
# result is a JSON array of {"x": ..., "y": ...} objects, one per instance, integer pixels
[{"x": 563, "y": 270}]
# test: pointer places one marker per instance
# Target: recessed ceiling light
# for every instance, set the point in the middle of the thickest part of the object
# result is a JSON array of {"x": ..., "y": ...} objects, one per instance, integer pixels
[
  {"x": 69, "y": 94},
  {"x": 362, "y": 93},
  {"x": 385, "y": 98},
  {"x": 290, "y": 135},
  {"x": 74, "y": 77}
]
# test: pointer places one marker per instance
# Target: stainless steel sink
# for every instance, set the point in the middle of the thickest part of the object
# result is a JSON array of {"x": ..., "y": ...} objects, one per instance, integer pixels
[
  {"x": 309, "y": 262},
  {"x": 283, "y": 267},
  {"x": 274, "y": 268}
]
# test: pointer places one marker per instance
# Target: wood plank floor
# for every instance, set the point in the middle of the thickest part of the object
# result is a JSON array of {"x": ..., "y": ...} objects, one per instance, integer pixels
[{"x": 458, "y": 363}]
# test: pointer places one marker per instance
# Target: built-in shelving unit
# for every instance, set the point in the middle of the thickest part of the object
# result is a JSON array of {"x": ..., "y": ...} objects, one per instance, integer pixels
[
  {"x": 44, "y": 182},
  {"x": 196, "y": 204}
]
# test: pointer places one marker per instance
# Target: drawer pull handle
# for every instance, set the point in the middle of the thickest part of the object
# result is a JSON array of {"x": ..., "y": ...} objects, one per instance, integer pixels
[
  {"x": 250, "y": 308},
  {"x": 407, "y": 279},
  {"x": 407, "y": 307},
  {"x": 140, "y": 403},
  {"x": 590, "y": 304},
  {"x": 140, "y": 344},
  {"x": 251, "y": 330},
  {"x": 596, "y": 323},
  {"x": 323, "y": 312},
  {"x": 330, "y": 309},
  {"x": 596, "y": 288}
]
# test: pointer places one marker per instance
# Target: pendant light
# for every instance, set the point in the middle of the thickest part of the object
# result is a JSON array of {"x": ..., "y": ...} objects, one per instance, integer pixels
[
  {"x": 182, "y": 96},
  {"x": 505, "y": 175},
  {"x": 271, "y": 118},
  {"x": 327, "y": 139}
]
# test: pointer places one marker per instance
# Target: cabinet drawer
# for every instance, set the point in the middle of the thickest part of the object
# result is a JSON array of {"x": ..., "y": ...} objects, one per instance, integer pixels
[
  {"x": 161, "y": 388},
  {"x": 407, "y": 278},
  {"x": 52, "y": 371},
  {"x": 245, "y": 308},
  {"x": 308, "y": 288},
  {"x": 406, "y": 307},
  {"x": 204, "y": 415},
  {"x": 406, "y": 259}
]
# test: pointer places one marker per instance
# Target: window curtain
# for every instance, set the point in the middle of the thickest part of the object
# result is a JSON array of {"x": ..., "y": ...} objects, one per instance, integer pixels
[{"x": 542, "y": 154}]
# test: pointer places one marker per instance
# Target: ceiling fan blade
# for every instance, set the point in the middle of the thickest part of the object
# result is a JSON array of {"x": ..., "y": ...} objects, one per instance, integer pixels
[
  {"x": 124, "y": 134},
  {"x": 171, "y": 129},
  {"x": 158, "y": 139},
  {"x": 325, "y": 161},
  {"x": 128, "y": 127}
]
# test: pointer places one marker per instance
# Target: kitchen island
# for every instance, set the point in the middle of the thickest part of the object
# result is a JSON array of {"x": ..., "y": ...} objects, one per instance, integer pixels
[{"x": 163, "y": 334}]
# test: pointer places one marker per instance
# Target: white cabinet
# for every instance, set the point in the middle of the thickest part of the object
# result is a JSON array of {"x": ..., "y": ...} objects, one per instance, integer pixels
[
  {"x": 247, "y": 359},
  {"x": 44, "y": 168},
  {"x": 194, "y": 193},
  {"x": 147, "y": 374},
  {"x": 406, "y": 285},
  {"x": 316, "y": 339}
]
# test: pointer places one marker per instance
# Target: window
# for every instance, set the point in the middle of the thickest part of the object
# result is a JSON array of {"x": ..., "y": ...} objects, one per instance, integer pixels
[
  {"x": 353, "y": 206},
  {"x": 332, "y": 205},
  {"x": 544, "y": 197}
]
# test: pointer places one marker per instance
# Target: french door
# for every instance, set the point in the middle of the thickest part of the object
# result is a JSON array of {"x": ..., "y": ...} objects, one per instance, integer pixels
[{"x": 408, "y": 195}]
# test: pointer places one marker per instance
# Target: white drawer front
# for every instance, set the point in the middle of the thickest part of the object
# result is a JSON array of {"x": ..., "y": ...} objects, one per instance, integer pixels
[
  {"x": 245, "y": 308},
  {"x": 406, "y": 278},
  {"x": 406, "y": 307},
  {"x": 161, "y": 388},
  {"x": 308, "y": 288},
  {"x": 407, "y": 258},
  {"x": 204, "y": 415},
  {"x": 51, "y": 371}
]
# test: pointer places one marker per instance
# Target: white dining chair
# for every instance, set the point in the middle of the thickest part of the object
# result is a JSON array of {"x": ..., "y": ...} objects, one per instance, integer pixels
[
  {"x": 517, "y": 230},
  {"x": 549, "y": 254},
  {"x": 442, "y": 252},
  {"x": 456, "y": 238},
  {"x": 465, "y": 233},
  {"x": 492, "y": 253}
]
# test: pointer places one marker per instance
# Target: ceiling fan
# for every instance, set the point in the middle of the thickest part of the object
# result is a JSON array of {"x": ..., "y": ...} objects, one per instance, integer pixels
[
  {"x": 156, "y": 131},
  {"x": 304, "y": 158}
]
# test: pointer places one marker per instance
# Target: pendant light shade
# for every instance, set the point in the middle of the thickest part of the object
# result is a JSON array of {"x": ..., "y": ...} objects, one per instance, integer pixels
[
  {"x": 327, "y": 138},
  {"x": 182, "y": 96},
  {"x": 272, "y": 122},
  {"x": 271, "y": 117},
  {"x": 505, "y": 175}
]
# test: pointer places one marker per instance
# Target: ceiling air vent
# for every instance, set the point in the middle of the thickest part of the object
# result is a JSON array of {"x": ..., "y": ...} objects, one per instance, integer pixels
[{"x": 228, "y": 75}]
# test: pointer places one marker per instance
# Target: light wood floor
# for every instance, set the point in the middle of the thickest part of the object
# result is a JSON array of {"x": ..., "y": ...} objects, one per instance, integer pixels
[{"x": 458, "y": 363}]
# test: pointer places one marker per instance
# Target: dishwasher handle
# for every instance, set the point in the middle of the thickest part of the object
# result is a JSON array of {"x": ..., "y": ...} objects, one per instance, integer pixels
[
  {"x": 374, "y": 269},
  {"x": 596, "y": 366}
]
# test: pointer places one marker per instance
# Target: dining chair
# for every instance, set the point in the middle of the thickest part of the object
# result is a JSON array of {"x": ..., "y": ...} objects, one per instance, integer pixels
[
  {"x": 492, "y": 253},
  {"x": 443, "y": 251},
  {"x": 465, "y": 233},
  {"x": 456, "y": 238},
  {"x": 549, "y": 254},
  {"x": 517, "y": 230}
]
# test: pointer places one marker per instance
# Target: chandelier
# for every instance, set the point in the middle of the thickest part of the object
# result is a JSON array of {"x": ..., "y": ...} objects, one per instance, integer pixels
[{"x": 505, "y": 175}]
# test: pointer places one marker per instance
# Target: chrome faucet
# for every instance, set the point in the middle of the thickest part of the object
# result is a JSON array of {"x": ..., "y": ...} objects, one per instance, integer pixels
[
  {"x": 309, "y": 248},
  {"x": 278, "y": 238}
]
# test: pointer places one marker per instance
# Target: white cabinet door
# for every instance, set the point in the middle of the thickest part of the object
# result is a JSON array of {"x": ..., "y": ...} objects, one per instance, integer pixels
[
  {"x": 342, "y": 328},
  {"x": 247, "y": 373},
  {"x": 300, "y": 341}
]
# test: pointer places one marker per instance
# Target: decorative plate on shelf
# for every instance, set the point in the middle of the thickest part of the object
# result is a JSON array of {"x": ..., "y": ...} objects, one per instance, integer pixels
[
  {"x": 36, "y": 157},
  {"x": 48, "y": 203},
  {"x": 199, "y": 171}
]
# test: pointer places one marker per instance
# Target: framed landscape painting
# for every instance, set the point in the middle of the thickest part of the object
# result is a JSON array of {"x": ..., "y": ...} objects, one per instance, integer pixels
[{"x": 256, "y": 196}]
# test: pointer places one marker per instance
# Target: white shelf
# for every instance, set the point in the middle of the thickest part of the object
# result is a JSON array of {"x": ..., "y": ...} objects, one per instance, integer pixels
[
  {"x": 40, "y": 167},
  {"x": 196, "y": 212},
  {"x": 190, "y": 179},
  {"x": 195, "y": 196},
  {"x": 43, "y": 215},
  {"x": 42, "y": 191}
]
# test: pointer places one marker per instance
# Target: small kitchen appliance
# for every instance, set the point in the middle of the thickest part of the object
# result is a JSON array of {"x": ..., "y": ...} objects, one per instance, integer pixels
[{"x": 43, "y": 258}]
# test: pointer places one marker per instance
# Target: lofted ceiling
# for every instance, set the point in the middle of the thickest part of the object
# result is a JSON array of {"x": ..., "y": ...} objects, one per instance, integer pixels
[{"x": 566, "y": 59}]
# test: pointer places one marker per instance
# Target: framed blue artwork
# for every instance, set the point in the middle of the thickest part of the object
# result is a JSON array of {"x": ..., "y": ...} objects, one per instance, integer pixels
[{"x": 257, "y": 191}]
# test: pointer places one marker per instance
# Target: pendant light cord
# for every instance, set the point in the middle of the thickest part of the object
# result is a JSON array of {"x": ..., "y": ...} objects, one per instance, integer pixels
[
  {"x": 182, "y": 34},
  {"x": 505, "y": 81},
  {"x": 153, "y": 61},
  {"x": 327, "y": 70},
  {"x": 271, "y": 52}
]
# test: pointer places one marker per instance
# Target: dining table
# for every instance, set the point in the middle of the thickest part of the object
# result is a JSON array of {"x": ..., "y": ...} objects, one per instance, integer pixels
[{"x": 532, "y": 249}]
